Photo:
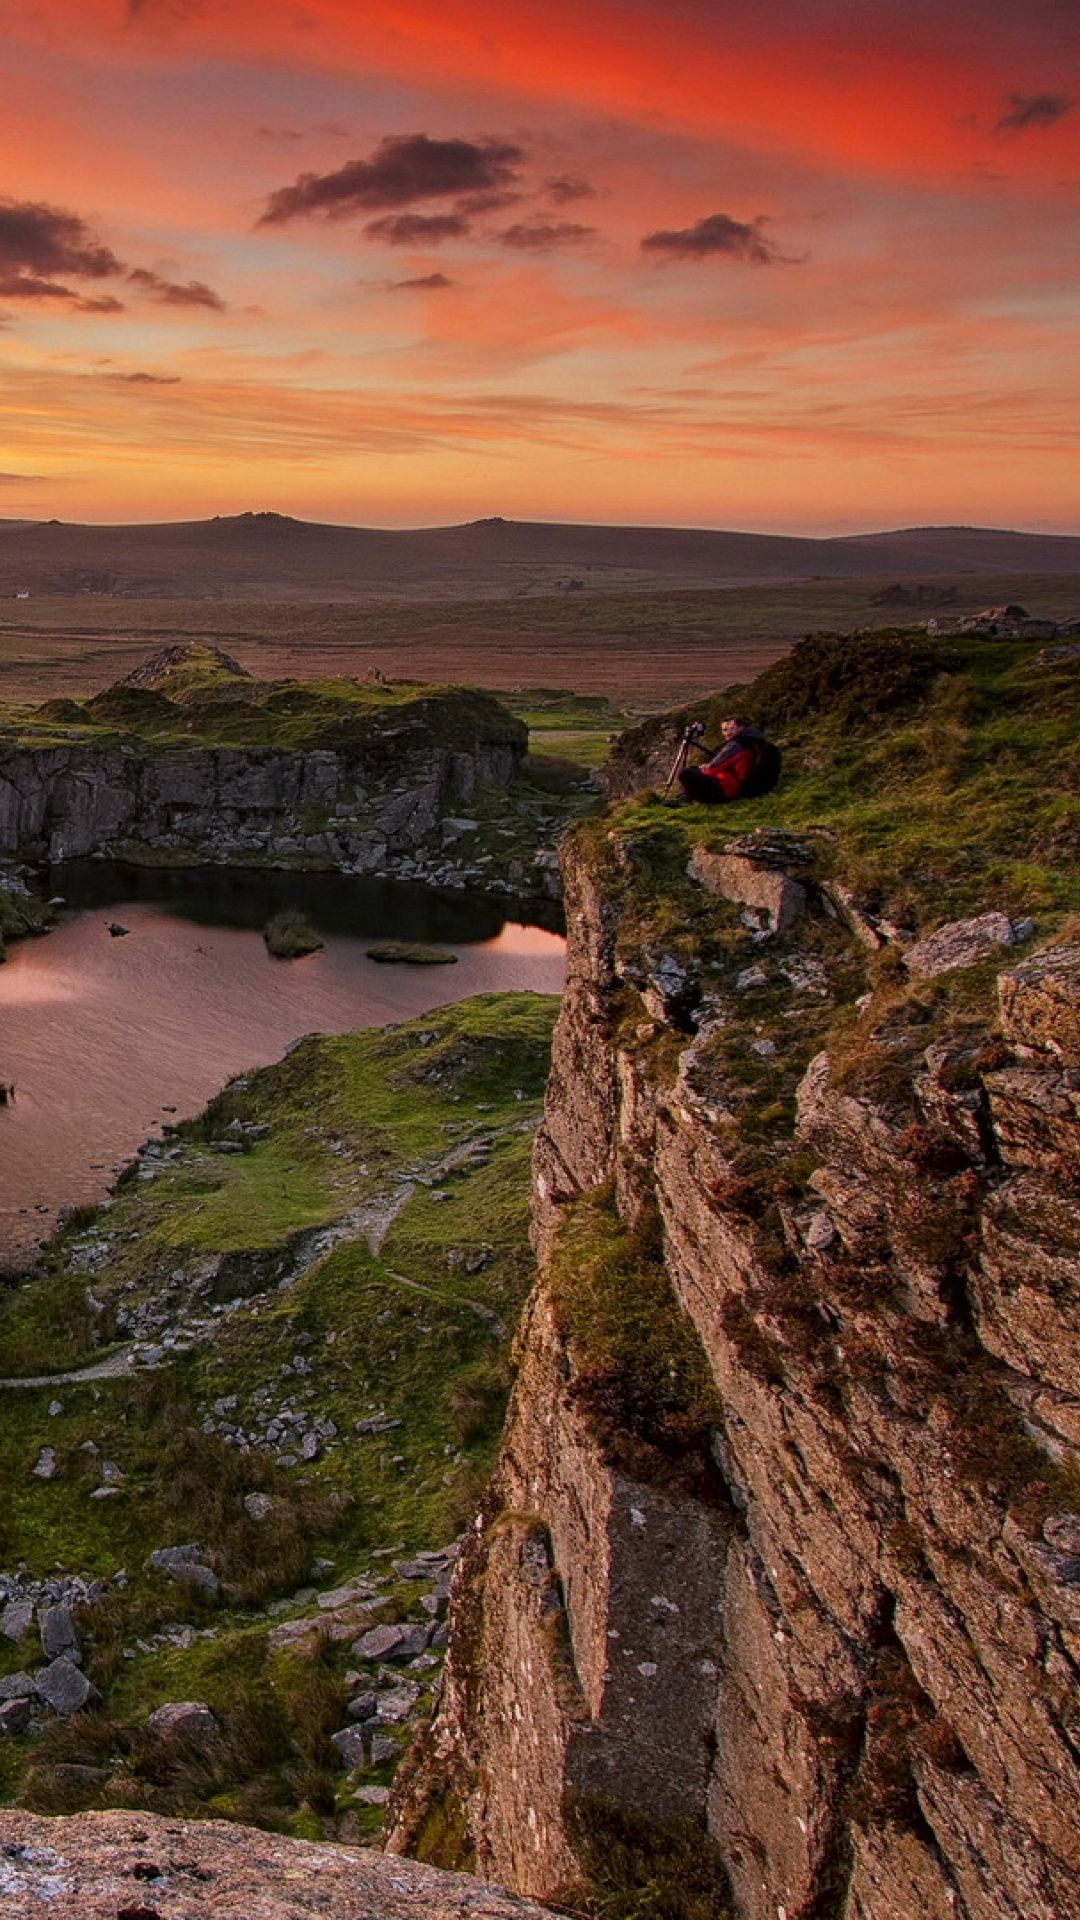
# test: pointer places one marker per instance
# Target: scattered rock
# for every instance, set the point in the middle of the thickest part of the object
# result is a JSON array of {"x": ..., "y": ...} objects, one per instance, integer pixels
[
  {"x": 257, "y": 1505},
  {"x": 58, "y": 1636},
  {"x": 411, "y": 953},
  {"x": 17, "y": 1619},
  {"x": 14, "y": 1716},
  {"x": 116, "y": 929},
  {"x": 65, "y": 1689},
  {"x": 963, "y": 943},
  {"x": 348, "y": 1743},
  {"x": 45, "y": 1467},
  {"x": 185, "y": 1565},
  {"x": 372, "y": 1796},
  {"x": 17, "y": 1686},
  {"x": 1040, "y": 1003},
  {"x": 189, "y": 1718},
  {"x": 750, "y": 883}
]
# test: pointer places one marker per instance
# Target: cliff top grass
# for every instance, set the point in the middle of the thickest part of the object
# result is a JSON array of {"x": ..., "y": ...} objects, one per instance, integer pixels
[
  {"x": 359, "y": 1255},
  {"x": 942, "y": 775},
  {"x": 197, "y": 696}
]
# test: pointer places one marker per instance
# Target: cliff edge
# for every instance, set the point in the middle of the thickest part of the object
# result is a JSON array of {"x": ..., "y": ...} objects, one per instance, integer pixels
[{"x": 774, "y": 1602}]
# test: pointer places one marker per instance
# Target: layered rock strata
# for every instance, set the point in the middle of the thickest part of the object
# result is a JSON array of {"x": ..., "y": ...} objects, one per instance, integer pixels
[
  {"x": 355, "y": 810},
  {"x": 853, "y": 1656}
]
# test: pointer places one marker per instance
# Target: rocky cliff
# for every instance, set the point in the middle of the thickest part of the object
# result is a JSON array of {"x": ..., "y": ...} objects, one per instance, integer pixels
[
  {"x": 783, "y": 1550},
  {"x": 190, "y": 760}
]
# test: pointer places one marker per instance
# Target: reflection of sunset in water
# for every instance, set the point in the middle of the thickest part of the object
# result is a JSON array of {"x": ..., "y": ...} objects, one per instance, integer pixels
[{"x": 101, "y": 1035}]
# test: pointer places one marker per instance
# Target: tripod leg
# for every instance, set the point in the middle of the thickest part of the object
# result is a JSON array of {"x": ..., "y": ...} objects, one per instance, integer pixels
[{"x": 678, "y": 764}]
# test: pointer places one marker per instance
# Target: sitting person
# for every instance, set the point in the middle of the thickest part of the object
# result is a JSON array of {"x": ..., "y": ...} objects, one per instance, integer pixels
[{"x": 746, "y": 766}]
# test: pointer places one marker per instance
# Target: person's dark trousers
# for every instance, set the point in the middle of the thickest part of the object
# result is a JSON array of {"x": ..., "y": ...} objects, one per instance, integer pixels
[{"x": 701, "y": 786}]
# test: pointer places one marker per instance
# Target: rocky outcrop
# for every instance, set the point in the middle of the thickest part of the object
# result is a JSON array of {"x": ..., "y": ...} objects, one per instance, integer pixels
[
  {"x": 101, "y": 1865},
  {"x": 852, "y": 1656},
  {"x": 354, "y": 810}
]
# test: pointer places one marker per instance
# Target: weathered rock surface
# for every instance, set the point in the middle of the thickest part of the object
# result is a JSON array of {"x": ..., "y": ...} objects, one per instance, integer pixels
[
  {"x": 867, "y": 1694},
  {"x": 357, "y": 808},
  {"x": 98, "y": 1865}
]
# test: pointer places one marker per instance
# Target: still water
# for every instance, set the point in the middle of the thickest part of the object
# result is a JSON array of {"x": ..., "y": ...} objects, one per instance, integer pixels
[{"x": 101, "y": 1035}]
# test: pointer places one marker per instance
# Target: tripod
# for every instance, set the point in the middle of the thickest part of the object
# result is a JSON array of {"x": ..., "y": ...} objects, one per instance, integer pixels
[{"x": 690, "y": 737}]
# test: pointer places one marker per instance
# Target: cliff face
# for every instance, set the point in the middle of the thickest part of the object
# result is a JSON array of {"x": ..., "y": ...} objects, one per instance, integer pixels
[
  {"x": 846, "y": 1644},
  {"x": 352, "y": 810},
  {"x": 191, "y": 760}
]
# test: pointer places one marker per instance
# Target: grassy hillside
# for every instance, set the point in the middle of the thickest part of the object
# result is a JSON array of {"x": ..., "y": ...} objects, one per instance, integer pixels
[
  {"x": 936, "y": 777},
  {"x": 306, "y": 1295}
]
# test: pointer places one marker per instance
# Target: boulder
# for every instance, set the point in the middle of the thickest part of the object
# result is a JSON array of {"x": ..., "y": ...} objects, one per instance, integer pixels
[
  {"x": 402, "y": 1641},
  {"x": 963, "y": 943},
  {"x": 56, "y": 1626},
  {"x": 45, "y": 1465},
  {"x": 65, "y": 1689},
  {"x": 17, "y": 1619},
  {"x": 348, "y": 1744},
  {"x": 17, "y": 1686},
  {"x": 1040, "y": 1003},
  {"x": 746, "y": 882},
  {"x": 185, "y": 1566},
  {"x": 14, "y": 1717},
  {"x": 257, "y": 1505},
  {"x": 189, "y": 1718}
]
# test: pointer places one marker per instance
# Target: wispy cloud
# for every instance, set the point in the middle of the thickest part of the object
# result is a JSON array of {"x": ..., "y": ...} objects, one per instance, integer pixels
[
  {"x": 417, "y": 229},
  {"x": 422, "y": 283},
  {"x": 1028, "y": 110},
  {"x": 176, "y": 293},
  {"x": 544, "y": 236}
]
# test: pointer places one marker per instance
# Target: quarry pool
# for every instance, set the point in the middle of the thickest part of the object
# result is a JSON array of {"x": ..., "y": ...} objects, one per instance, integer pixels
[{"x": 108, "y": 1038}]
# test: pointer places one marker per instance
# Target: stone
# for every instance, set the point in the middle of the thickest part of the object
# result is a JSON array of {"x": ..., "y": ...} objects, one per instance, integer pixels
[
  {"x": 383, "y": 1750},
  {"x": 747, "y": 883},
  {"x": 348, "y": 1744},
  {"x": 363, "y": 1707},
  {"x": 387, "y": 1643},
  {"x": 184, "y": 1564},
  {"x": 397, "y": 1703},
  {"x": 14, "y": 1716},
  {"x": 93, "y": 1866},
  {"x": 65, "y": 1689},
  {"x": 191, "y": 1719},
  {"x": 56, "y": 1626},
  {"x": 17, "y": 1686},
  {"x": 45, "y": 1467},
  {"x": 372, "y": 1796},
  {"x": 1040, "y": 1003},
  {"x": 257, "y": 1505},
  {"x": 17, "y": 1619},
  {"x": 960, "y": 943}
]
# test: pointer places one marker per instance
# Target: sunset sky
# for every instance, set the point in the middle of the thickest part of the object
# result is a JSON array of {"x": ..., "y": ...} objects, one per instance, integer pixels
[{"x": 798, "y": 265}]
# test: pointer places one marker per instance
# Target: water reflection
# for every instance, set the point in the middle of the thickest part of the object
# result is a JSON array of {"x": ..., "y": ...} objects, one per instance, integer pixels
[{"x": 100, "y": 1035}]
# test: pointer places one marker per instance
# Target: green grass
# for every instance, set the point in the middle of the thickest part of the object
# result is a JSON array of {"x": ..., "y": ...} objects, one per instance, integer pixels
[
  {"x": 944, "y": 775},
  {"x": 418, "y": 1331}
]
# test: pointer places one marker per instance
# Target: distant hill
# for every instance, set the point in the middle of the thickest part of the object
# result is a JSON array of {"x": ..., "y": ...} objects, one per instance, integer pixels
[{"x": 254, "y": 556}]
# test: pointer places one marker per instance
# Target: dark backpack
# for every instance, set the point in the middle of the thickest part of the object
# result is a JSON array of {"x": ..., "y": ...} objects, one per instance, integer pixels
[{"x": 767, "y": 763}]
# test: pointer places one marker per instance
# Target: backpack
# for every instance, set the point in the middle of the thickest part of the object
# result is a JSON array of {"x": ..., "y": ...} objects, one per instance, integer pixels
[{"x": 768, "y": 761}]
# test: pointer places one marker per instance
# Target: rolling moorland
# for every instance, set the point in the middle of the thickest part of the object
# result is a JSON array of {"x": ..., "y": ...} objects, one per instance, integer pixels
[{"x": 782, "y": 1340}]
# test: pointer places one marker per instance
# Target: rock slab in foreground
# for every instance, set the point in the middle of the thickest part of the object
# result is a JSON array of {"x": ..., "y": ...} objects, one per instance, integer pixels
[{"x": 96, "y": 1864}]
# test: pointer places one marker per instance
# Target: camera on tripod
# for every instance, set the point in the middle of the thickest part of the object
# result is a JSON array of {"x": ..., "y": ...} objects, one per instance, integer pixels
[{"x": 694, "y": 732}]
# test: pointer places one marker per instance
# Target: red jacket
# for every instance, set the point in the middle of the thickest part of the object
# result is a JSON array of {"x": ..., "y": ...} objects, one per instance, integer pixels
[{"x": 734, "y": 765}]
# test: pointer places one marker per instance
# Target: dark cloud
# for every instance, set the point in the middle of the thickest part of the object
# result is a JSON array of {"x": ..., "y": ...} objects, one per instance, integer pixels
[
  {"x": 144, "y": 379},
  {"x": 474, "y": 204},
  {"x": 569, "y": 186},
  {"x": 42, "y": 241},
  {"x": 176, "y": 293},
  {"x": 718, "y": 235},
  {"x": 1026, "y": 110},
  {"x": 404, "y": 169},
  {"x": 424, "y": 283},
  {"x": 541, "y": 236},
  {"x": 417, "y": 229},
  {"x": 28, "y": 286},
  {"x": 21, "y": 479}
]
